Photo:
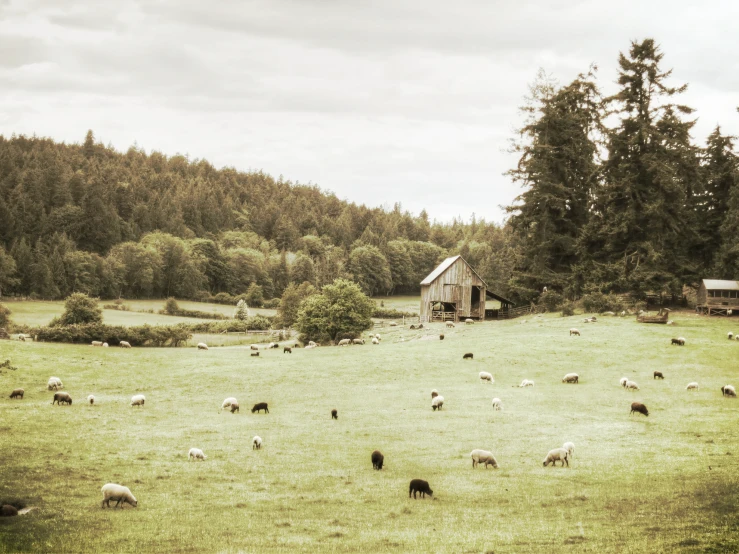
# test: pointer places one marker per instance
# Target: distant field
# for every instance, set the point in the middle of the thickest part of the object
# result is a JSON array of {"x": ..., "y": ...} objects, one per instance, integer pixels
[
  {"x": 403, "y": 303},
  {"x": 664, "y": 483}
]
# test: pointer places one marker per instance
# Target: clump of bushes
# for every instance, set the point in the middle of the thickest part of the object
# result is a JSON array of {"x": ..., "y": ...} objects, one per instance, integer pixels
[
  {"x": 551, "y": 300},
  {"x": 252, "y": 323},
  {"x": 118, "y": 305},
  {"x": 79, "y": 309},
  {"x": 568, "y": 309},
  {"x": 4, "y": 316},
  {"x": 144, "y": 335},
  {"x": 172, "y": 308},
  {"x": 390, "y": 313},
  {"x": 597, "y": 302}
]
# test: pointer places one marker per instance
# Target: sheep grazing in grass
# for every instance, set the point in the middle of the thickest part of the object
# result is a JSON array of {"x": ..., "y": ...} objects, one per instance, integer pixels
[
  {"x": 275, "y": 345},
  {"x": 253, "y": 347},
  {"x": 378, "y": 337},
  {"x": 608, "y": 313},
  {"x": 571, "y": 378},
  {"x": 17, "y": 393},
  {"x": 260, "y": 406},
  {"x": 526, "y": 383},
  {"x": 62, "y": 398},
  {"x": 419, "y": 486},
  {"x": 469, "y": 321},
  {"x": 124, "y": 344},
  {"x": 434, "y": 394},
  {"x": 345, "y": 342},
  {"x": 202, "y": 346},
  {"x": 122, "y": 494},
  {"x": 730, "y": 335},
  {"x": 54, "y": 383},
  {"x": 8, "y": 510},
  {"x": 375, "y": 340},
  {"x": 196, "y": 454},
  {"x": 441, "y": 336},
  {"x": 450, "y": 324},
  {"x": 97, "y": 343},
  {"x": 623, "y": 381},
  {"x": 228, "y": 402},
  {"x": 728, "y": 390},
  {"x": 105, "y": 345},
  {"x": 393, "y": 324},
  {"x": 485, "y": 376},
  {"x": 309, "y": 347},
  {"x": 658, "y": 375},
  {"x": 574, "y": 331},
  {"x": 437, "y": 403},
  {"x": 557, "y": 455},
  {"x": 234, "y": 407},
  {"x": 639, "y": 407},
  {"x": 254, "y": 354},
  {"x": 287, "y": 350},
  {"x": 630, "y": 385},
  {"x": 358, "y": 341},
  {"x": 736, "y": 337},
  {"x": 590, "y": 320},
  {"x": 138, "y": 400},
  {"x": 256, "y": 443},
  {"x": 679, "y": 341},
  {"x": 497, "y": 404},
  {"x": 420, "y": 326},
  {"x": 377, "y": 460},
  {"x": 692, "y": 386},
  {"x": 570, "y": 447},
  {"x": 483, "y": 457},
  {"x": 334, "y": 414},
  {"x": 91, "y": 400},
  {"x": 467, "y": 356}
]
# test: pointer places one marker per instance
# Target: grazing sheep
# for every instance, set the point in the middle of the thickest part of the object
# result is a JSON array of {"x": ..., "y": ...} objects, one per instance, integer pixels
[
  {"x": 297, "y": 345},
  {"x": 469, "y": 321},
  {"x": 358, "y": 341},
  {"x": 308, "y": 347},
  {"x": 412, "y": 327},
  {"x": 728, "y": 390},
  {"x": 631, "y": 385},
  {"x": 17, "y": 393},
  {"x": 196, "y": 454},
  {"x": 313, "y": 344},
  {"x": 419, "y": 486},
  {"x": 571, "y": 378},
  {"x": 260, "y": 406},
  {"x": 497, "y": 404},
  {"x": 228, "y": 402},
  {"x": 574, "y": 331},
  {"x": 255, "y": 354},
  {"x": 377, "y": 460},
  {"x": 271, "y": 345},
  {"x": 202, "y": 346},
  {"x": 91, "y": 400},
  {"x": 275, "y": 345},
  {"x": 736, "y": 337},
  {"x": 22, "y": 338},
  {"x": 256, "y": 443},
  {"x": 334, "y": 414},
  {"x": 608, "y": 313},
  {"x": 679, "y": 341},
  {"x": 526, "y": 383},
  {"x": 345, "y": 342},
  {"x": 730, "y": 335},
  {"x": 570, "y": 447},
  {"x": 378, "y": 337},
  {"x": 138, "y": 400},
  {"x": 253, "y": 347},
  {"x": 434, "y": 394},
  {"x": 437, "y": 403},
  {"x": 287, "y": 350},
  {"x": 589, "y": 320},
  {"x": 60, "y": 397},
  {"x": 122, "y": 494},
  {"x": 375, "y": 341},
  {"x": 485, "y": 376},
  {"x": 658, "y": 375},
  {"x": 105, "y": 345},
  {"x": 124, "y": 344},
  {"x": 54, "y": 383},
  {"x": 467, "y": 356},
  {"x": 449, "y": 324},
  {"x": 8, "y": 510},
  {"x": 234, "y": 407},
  {"x": 639, "y": 407},
  {"x": 692, "y": 386},
  {"x": 97, "y": 343},
  {"x": 558, "y": 454},
  {"x": 441, "y": 337},
  {"x": 483, "y": 457},
  {"x": 623, "y": 381},
  {"x": 420, "y": 326}
]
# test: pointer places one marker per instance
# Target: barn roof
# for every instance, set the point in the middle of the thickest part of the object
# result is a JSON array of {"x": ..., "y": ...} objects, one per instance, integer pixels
[
  {"x": 446, "y": 264},
  {"x": 498, "y": 297},
  {"x": 719, "y": 284}
]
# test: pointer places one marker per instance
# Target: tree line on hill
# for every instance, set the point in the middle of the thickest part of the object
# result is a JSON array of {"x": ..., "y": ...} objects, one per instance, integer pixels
[{"x": 618, "y": 197}]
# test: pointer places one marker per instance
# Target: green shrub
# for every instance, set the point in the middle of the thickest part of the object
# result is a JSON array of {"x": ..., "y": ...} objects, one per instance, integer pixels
[
  {"x": 597, "y": 302},
  {"x": 390, "y": 313},
  {"x": 4, "y": 316},
  {"x": 80, "y": 309},
  {"x": 551, "y": 300},
  {"x": 145, "y": 335},
  {"x": 568, "y": 309},
  {"x": 254, "y": 323},
  {"x": 272, "y": 304},
  {"x": 171, "y": 307}
]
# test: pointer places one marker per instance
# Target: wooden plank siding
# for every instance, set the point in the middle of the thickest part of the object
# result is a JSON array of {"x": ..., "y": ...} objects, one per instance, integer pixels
[
  {"x": 455, "y": 286},
  {"x": 717, "y": 300}
]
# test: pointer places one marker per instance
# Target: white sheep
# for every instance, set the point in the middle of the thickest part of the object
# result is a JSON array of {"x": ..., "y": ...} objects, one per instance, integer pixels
[
  {"x": 105, "y": 345},
  {"x": 485, "y": 376},
  {"x": 574, "y": 331},
  {"x": 483, "y": 457},
  {"x": 469, "y": 321},
  {"x": 692, "y": 386},
  {"x": 526, "y": 383},
  {"x": 313, "y": 344},
  {"x": 202, "y": 346},
  {"x": 558, "y": 454},
  {"x": 97, "y": 343},
  {"x": 256, "y": 443},
  {"x": 54, "y": 383},
  {"x": 730, "y": 335},
  {"x": 138, "y": 400},
  {"x": 571, "y": 378},
  {"x": 124, "y": 344},
  {"x": 196, "y": 454},
  {"x": 631, "y": 385},
  {"x": 736, "y": 337},
  {"x": 310, "y": 346},
  {"x": 449, "y": 324},
  {"x": 623, "y": 381},
  {"x": 358, "y": 341},
  {"x": 91, "y": 400},
  {"x": 228, "y": 401},
  {"x": 122, "y": 494},
  {"x": 728, "y": 390},
  {"x": 437, "y": 402},
  {"x": 375, "y": 340},
  {"x": 570, "y": 447},
  {"x": 345, "y": 342},
  {"x": 497, "y": 404},
  {"x": 253, "y": 347}
]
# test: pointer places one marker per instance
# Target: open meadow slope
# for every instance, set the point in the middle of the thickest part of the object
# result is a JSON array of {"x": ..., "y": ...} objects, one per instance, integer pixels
[{"x": 663, "y": 483}]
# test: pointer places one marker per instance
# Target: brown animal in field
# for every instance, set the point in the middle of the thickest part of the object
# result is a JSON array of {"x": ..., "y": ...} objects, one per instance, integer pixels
[
  {"x": 61, "y": 397},
  {"x": 639, "y": 407},
  {"x": 17, "y": 393},
  {"x": 334, "y": 414},
  {"x": 658, "y": 375},
  {"x": 420, "y": 486}
]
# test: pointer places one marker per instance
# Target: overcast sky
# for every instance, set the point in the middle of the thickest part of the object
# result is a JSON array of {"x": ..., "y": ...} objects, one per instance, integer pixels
[{"x": 379, "y": 102}]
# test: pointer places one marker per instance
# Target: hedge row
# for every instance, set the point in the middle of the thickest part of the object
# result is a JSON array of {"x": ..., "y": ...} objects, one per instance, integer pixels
[
  {"x": 195, "y": 313},
  {"x": 386, "y": 313},
  {"x": 144, "y": 335},
  {"x": 254, "y": 323}
]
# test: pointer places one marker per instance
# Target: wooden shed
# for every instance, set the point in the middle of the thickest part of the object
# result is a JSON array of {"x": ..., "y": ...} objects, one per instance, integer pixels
[{"x": 717, "y": 297}]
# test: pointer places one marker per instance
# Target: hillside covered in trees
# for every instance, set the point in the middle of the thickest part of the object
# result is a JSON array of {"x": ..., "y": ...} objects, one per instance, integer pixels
[{"x": 617, "y": 196}]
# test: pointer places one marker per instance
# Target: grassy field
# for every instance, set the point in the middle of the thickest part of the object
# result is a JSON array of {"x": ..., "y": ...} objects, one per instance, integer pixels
[{"x": 664, "y": 483}]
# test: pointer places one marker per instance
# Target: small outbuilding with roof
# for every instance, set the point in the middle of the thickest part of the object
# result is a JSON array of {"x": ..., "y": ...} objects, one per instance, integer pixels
[{"x": 717, "y": 297}]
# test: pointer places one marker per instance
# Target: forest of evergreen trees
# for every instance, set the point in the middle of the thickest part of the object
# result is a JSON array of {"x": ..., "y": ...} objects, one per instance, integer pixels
[{"x": 617, "y": 196}]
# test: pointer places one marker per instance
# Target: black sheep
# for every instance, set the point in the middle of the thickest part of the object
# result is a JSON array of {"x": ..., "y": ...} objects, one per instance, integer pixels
[
  {"x": 260, "y": 406},
  {"x": 60, "y": 397},
  {"x": 255, "y": 354},
  {"x": 441, "y": 337},
  {"x": 412, "y": 327},
  {"x": 334, "y": 414},
  {"x": 639, "y": 407},
  {"x": 287, "y": 350},
  {"x": 377, "y": 460},
  {"x": 234, "y": 407},
  {"x": 275, "y": 345},
  {"x": 679, "y": 341},
  {"x": 420, "y": 486},
  {"x": 420, "y": 326},
  {"x": 467, "y": 356},
  {"x": 658, "y": 375}
]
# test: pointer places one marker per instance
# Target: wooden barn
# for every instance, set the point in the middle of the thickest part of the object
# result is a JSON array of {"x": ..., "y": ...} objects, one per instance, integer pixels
[
  {"x": 454, "y": 291},
  {"x": 717, "y": 297}
]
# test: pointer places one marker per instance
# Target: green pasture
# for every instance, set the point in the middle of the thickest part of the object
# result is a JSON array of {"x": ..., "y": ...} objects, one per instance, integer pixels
[{"x": 664, "y": 483}]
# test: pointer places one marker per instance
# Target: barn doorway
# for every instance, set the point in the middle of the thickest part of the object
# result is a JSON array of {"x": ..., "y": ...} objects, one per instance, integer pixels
[{"x": 475, "y": 302}]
